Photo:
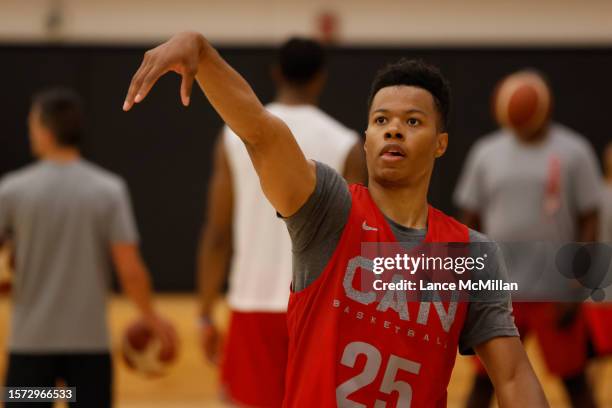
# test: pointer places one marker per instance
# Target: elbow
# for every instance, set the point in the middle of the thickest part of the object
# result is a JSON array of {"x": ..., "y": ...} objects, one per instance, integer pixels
[
  {"x": 216, "y": 241},
  {"x": 262, "y": 130}
]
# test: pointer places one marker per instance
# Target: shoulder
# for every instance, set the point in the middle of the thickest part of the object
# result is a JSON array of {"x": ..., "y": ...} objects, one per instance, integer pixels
[
  {"x": 317, "y": 120},
  {"x": 334, "y": 125},
  {"x": 492, "y": 142},
  {"x": 569, "y": 139},
  {"x": 21, "y": 177},
  {"x": 103, "y": 179},
  {"x": 487, "y": 148},
  {"x": 476, "y": 236}
]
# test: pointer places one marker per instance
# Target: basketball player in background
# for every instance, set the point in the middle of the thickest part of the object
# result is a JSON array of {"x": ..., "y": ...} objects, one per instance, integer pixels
[
  {"x": 599, "y": 314},
  {"x": 534, "y": 180},
  {"x": 254, "y": 355},
  {"x": 67, "y": 218},
  {"x": 332, "y": 324},
  {"x": 605, "y": 229}
]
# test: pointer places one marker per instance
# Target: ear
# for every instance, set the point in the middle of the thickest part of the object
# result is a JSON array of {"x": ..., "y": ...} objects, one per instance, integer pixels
[{"x": 441, "y": 144}]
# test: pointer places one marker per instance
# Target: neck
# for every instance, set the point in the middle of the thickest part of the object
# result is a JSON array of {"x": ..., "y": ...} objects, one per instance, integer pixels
[
  {"x": 406, "y": 205},
  {"x": 536, "y": 137},
  {"x": 62, "y": 155},
  {"x": 292, "y": 96},
  {"x": 609, "y": 179}
]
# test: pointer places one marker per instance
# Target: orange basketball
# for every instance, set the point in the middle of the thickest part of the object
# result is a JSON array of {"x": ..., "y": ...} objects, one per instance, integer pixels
[
  {"x": 142, "y": 351},
  {"x": 522, "y": 102}
]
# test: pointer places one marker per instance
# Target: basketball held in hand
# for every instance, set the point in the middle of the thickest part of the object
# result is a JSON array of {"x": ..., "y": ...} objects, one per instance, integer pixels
[{"x": 142, "y": 351}]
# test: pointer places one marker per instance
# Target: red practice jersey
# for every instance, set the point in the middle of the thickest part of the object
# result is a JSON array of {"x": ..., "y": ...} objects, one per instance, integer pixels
[{"x": 352, "y": 347}]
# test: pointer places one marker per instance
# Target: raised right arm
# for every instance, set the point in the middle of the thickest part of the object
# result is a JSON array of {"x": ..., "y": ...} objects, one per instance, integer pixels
[{"x": 286, "y": 177}]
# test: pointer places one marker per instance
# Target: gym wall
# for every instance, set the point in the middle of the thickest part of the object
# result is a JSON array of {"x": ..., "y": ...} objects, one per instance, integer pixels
[{"x": 164, "y": 150}]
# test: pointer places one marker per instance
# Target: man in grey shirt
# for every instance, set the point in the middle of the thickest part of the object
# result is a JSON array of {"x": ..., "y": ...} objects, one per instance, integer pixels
[
  {"x": 605, "y": 225},
  {"x": 536, "y": 185},
  {"x": 68, "y": 219}
]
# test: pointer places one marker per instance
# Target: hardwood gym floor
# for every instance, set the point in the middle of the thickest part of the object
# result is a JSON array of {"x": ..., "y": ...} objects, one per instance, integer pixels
[{"x": 192, "y": 381}]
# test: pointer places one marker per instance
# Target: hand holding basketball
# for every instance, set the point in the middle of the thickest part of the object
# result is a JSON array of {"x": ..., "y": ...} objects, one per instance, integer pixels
[{"x": 150, "y": 345}]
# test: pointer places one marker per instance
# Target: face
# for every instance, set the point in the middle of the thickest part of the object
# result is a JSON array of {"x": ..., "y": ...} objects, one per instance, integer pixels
[
  {"x": 403, "y": 137},
  {"x": 41, "y": 140}
]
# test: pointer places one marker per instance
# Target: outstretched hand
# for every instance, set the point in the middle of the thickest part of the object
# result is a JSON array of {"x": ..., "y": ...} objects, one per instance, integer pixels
[{"x": 180, "y": 54}]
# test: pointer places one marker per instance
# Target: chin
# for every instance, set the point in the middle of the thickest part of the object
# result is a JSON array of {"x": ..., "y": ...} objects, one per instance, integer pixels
[{"x": 389, "y": 177}]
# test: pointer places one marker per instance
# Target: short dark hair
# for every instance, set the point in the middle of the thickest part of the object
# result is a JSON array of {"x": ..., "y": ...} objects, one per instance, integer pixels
[
  {"x": 419, "y": 74},
  {"x": 300, "y": 59},
  {"x": 61, "y": 112}
]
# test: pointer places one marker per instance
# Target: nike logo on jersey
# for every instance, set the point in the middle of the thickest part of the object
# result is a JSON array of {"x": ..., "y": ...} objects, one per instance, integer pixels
[{"x": 366, "y": 227}]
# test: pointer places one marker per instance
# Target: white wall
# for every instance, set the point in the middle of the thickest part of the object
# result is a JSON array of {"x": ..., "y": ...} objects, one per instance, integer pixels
[{"x": 388, "y": 22}]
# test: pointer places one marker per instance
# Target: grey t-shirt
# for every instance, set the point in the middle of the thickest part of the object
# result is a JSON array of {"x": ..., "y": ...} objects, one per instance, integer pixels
[
  {"x": 316, "y": 229},
  {"x": 511, "y": 184},
  {"x": 62, "y": 219}
]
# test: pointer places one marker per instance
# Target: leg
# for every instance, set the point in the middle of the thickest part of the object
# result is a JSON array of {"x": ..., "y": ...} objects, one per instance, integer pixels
[
  {"x": 30, "y": 370},
  {"x": 481, "y": 392},
  {"x": 579, "y": 391},
  {"x": 92, "y": 375}
]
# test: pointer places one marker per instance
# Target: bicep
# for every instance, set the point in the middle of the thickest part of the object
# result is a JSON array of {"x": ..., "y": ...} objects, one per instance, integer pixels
[
  {"x": 588, "y": 223},
  {"x": 286, "y": 177},
  {"x": 120, "y": 223},
  {"x": 587, "y": 179}
]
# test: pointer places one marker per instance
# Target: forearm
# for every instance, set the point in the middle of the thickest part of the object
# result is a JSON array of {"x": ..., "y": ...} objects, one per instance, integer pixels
[
  {"x": 587, "y": 226},
  {"x": 136, "y": 285},
  {"x": 213, "y": 262},
  {"x": 522, "y": 390},
  {"x": 232, "y": 97}
]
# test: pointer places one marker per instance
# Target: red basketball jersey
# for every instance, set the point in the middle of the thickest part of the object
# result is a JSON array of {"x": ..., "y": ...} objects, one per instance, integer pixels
[{"x": 349, "y": 347}]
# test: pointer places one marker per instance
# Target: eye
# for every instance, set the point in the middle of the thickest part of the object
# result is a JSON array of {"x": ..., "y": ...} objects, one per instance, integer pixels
[
  {"x": 380, "y": 120},
  {"x": 413, "y": 122}
]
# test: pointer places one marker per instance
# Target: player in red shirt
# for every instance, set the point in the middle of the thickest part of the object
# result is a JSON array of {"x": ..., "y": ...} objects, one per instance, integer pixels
[{"x": 348, "y": 347}]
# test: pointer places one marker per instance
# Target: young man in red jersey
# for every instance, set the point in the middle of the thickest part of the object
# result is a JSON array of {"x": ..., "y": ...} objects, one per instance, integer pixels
[{"x": 346, "y": 348}]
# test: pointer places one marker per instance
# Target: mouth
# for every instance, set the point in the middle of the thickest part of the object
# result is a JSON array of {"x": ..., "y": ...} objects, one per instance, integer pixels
[{"x": 392, "y": 152}]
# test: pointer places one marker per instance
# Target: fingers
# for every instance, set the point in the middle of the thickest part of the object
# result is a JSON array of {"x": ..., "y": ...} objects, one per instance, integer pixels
[
  {"x": 186, "y": 85},
  {"x": 149, "y": 72},
  {"x": 169, "y": 341},
  {"x": 135, "y": 84},
  {"x": 211, "y": 345}
]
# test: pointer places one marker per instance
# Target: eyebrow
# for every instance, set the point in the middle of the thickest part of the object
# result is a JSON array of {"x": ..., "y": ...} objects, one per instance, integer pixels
[{"x": 413, "y": 110}]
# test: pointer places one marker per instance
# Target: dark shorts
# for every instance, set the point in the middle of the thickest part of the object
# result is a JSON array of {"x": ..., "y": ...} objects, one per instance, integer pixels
[{"x": 90, "y": 373}]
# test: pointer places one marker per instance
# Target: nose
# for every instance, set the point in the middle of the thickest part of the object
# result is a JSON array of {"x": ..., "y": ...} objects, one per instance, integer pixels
[{"x": 390, "y": 134}]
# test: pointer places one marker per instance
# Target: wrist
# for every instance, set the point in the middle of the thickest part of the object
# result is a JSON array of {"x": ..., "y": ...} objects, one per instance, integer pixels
[
  {"x": 205, "y": 321},
  {"x": 201, "y": 43},
  {"x": 149, "y": 315}
]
